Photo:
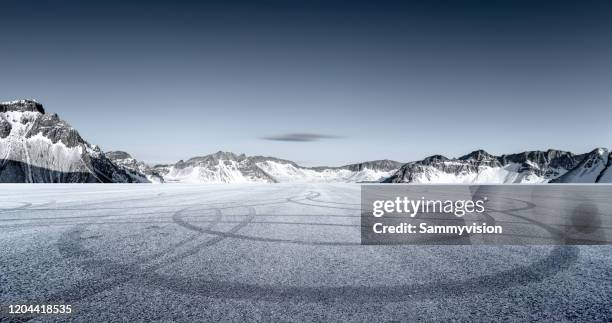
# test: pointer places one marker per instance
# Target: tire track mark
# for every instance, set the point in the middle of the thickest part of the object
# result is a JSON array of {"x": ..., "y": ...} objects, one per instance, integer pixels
[
  {"x": 121, "y": 273},
  {"x": 560, "y": 259}
]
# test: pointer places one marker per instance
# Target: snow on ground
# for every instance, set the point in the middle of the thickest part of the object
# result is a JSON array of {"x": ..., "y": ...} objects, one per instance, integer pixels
[{"x": 262, "y": 252}]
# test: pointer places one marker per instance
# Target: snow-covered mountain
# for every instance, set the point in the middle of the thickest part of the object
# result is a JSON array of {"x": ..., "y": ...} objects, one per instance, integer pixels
[
  {"x": 37, "y": 147},
  {"x": 138, "y": 170},
  {"x": 477, "y": 167},
  {"x": 480, "y": 167},
  {"x": 284, "y": 171},
  {"x": 594, "y": 168},
  {"x": 227, "y": 167},
  {"x": 220, "y": 167}
]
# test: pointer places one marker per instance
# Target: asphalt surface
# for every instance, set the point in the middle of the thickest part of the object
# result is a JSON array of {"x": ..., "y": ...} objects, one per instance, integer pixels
[{"x": 267, "y": 253}]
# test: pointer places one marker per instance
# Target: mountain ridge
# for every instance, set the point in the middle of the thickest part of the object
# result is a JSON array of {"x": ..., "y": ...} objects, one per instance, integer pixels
[
  {"x": 221, "y": 167},
  {"x": 39, "y": 147},
  {"x": 484, "y": 168}
]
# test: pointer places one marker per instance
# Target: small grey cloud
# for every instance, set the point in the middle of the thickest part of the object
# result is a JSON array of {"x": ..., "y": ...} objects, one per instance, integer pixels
[{"x": 300, "y": 137}]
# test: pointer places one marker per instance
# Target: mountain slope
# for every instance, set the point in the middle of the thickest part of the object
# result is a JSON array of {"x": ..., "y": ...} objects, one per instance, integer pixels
[
  {"x": 36, "y": 147},
  {"x": 588, "y": 170},
  {"x": 480, "y": 167},
  {"x": 606, "y": 174},
  {"x": 137, "y": 170}
]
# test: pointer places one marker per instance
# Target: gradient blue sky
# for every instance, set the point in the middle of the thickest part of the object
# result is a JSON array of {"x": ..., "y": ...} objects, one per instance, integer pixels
[{"x": 383, "y": 79}]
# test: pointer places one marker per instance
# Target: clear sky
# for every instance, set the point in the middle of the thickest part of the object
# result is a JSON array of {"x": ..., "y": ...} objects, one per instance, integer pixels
[{"x": 317, "y": 82}]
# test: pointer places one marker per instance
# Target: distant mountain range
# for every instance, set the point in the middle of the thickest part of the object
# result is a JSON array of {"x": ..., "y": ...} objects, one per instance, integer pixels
[
  {"x": 479, "y": 167},
  {"x": 37, "y": 147},
  {"x": 227, "y": 167}
]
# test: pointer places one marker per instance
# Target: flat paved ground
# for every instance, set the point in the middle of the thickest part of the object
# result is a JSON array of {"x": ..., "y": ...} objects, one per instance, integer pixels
[{"x": 267, "y": 252}]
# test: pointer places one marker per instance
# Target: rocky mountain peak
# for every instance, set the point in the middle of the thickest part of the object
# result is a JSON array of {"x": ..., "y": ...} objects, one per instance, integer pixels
[
  {"x": 478, "y": 155},
  {"x": 595, "y": 156},
  {"x": 22, "y": 105},
  {"x": 434, "y": 159},
  {"x": 377, "y": 165},
  {"x": 600, "y": 151},
  {"x": 543, "y": 159},
  {"x": 589, "y": 170},
  {"x": 39, "y": 147},
  {"x": 228, "y": 155},
  {"x": 220, "y": 155},
  {"x": 113, "y": 155}
]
